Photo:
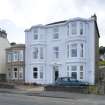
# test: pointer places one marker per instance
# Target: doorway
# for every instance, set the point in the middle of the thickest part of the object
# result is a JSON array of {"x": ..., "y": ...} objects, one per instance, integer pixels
[
  {"x": 56, "y": 75},
  {"x": 55, "y": 72}
]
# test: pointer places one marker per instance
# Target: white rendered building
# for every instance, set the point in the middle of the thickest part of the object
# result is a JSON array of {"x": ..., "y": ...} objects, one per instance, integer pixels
[
  {"x": 4, "y": 43},
  {"x": 62, "y": 49}
]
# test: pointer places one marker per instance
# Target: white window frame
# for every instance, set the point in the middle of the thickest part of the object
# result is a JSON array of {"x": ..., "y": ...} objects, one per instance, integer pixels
[
  {"x": 21, "y": 55},
  {"x": 35, "y": 71},
  {"x": 81, "y": 72},
  {"x": 56, "y": 52},
  {"x": 81, "y": 50},
  {"x": 41, "y": 72},
  {"x": 81, "y": 28},
  {"x": 15, "y": 77},
  {"x": 73, "y": 28},
  {"x": 35, "y": 52},
  {"x": 68, "y": 48},
  {"x": 41, "y": 53},
  {"x": 15, "y": 56},
  {"x": 9, "y": 57},
  {"x": 68, "y": 30},
  {"x": 9, "y": 73},
  {"x": 56, "y": 33},
  {"x": 73, "y": 68},
  {"x": 35, "y": 34},
  {"x": 74, "y": 48},
  {"x": 21, "y": 73},
  {"x": 68, "y": 71}
]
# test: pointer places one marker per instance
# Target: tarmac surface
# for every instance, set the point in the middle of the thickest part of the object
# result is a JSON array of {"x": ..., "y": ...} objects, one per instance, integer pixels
[
  {"x": 37, "y": 96},
  {"x": 74, "y": 99}
]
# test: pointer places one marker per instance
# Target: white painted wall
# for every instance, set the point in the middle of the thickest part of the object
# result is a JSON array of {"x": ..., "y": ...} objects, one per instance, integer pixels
[
  {"x": 47, "y": 42},
  {"x": 4, "y": 43}
]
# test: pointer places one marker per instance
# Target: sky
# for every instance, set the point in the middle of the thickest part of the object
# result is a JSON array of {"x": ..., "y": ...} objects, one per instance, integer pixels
[{"x": 18, "y": 15}]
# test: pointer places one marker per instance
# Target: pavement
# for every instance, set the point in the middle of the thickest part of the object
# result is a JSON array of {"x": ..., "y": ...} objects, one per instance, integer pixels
[
  {"x": 21, "y": 89},
  {"x": 39, "y": 91},
  {"x": 35, "y": 95},
  {"x": 74, "y": 99}
]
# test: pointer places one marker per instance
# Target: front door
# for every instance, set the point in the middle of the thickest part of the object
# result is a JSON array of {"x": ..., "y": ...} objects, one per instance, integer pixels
[
  {"x": 55, "y": 72},
  {"x": 56, "y": 75}
]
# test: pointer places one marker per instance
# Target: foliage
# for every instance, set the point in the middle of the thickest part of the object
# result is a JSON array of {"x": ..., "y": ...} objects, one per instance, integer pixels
[
  {"x": 102, "y": 50},
  {"x": 101, "y": 63},
  {"x": 93, "y": 89}
]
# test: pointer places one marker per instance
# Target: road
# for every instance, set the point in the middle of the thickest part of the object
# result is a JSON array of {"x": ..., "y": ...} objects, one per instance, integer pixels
[{"x": 13, "y": 99}]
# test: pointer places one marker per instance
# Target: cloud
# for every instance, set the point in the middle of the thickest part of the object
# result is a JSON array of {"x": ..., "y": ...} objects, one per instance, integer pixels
[
  {"x": 25, "y": 13},
  {"x": 14, "y": 33}
]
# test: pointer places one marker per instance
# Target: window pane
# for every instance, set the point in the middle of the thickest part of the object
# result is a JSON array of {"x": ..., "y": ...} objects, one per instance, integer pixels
[
  {"x": 41, "y": 72},
  {"x": 9, "y": 73},
  {"x": 41, "y": 75},
  {"x": 15, "y": 56},
  {"x": 81, "y": 50},
  {"x": 81, "y": 28},
  {"x": 15, "y": 69},
  {"x": 67, "y": 30},
  {"x": 81, "y": 68},
  {"x": 56, "y": 36},
  {"x": 67, "y": 68},
  {"x": 73, "y": 68},
  {"x": 74, "y": 27},
  {"x": 21, "y": 55},
  {"x": 35, "y": 36},
  {"x": 15, "y": 74},
  {"x": 56, "y": 48},
  {"x": 74, "y": 50},
  {"x": 74, "y": 75},
  {"x": 41, "y": 53},
  {"x": 55, "y": 33},
  {"x": 21, "y": 75},
  {"x": 35, "y": 72},
  {"x": 68, "y": 71},
  {"x": 56, "y": 52},
  {"x": 35, "y": 30},
  {"x": 68, "y": 74},
  {"x": 81, "y": 75},
  {"x": 35, "y": 53},
  {"x": 67, "y": 50},
  {"x": 9, "y": 57},
  {"x": 35, "y": 69},
  {"x": 55, "y": 29}
]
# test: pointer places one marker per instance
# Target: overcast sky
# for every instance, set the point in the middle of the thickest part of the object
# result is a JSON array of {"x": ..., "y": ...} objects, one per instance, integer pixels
[{"x": 18, "y": 15}]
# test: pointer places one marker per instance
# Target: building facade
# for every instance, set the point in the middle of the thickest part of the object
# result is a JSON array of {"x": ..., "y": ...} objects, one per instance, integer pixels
[
  {"x": 15, "y": 62},
  {"x": 4, "y": 43},
  {"x": 62, "y": 49}
]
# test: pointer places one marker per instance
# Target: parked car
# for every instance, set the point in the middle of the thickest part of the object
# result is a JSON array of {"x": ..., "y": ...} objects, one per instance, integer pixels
[{"x": 68, "y": 81}]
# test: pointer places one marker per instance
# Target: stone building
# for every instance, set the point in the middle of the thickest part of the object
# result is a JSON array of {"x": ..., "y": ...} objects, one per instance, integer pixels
[{"x": 15, "y": 62}]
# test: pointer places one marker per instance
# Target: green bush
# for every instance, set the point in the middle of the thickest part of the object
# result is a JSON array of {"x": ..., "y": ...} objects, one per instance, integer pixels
[
  {"x": 101, "y": 63},
  {"x": 93, "y": 89}
]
